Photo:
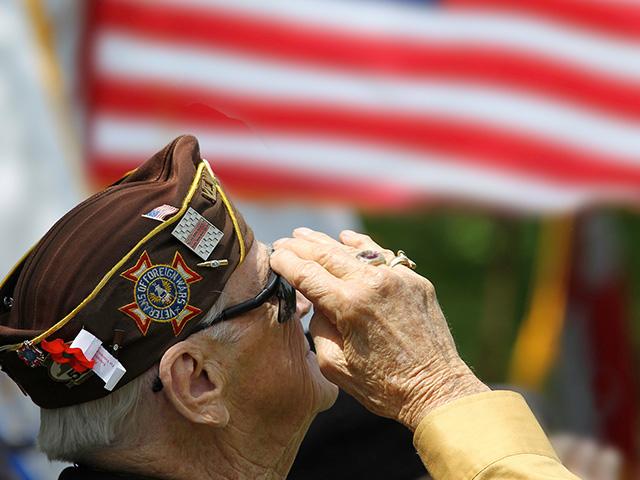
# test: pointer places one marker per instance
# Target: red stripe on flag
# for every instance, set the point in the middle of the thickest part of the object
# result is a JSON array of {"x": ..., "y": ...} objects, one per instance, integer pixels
[
  {"x": 251, "y": 181},
  {"x": 609, "y": 16},
  {"x": 470, "y": 142},
  {"x": 340, "y": 49}
]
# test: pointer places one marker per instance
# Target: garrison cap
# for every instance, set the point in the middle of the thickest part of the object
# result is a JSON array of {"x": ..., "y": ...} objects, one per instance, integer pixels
[{"x": 119, "y": 279}]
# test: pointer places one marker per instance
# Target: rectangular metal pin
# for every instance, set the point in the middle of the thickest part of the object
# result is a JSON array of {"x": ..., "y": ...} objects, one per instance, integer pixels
[
  {"x": 215, "y": 263},
  {"x": 197, "y": 233}
]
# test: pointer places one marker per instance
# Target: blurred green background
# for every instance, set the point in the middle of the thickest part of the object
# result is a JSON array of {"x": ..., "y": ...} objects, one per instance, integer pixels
[{"x": 482, "y": 265}]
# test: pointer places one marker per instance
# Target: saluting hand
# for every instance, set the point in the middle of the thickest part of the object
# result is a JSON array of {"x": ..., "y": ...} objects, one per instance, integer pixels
[{"x": 379, "y": 331}]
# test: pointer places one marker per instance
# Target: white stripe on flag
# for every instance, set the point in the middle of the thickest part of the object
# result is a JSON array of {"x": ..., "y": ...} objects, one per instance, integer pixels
[
  {"x": 121, "y": 138},
  {"x": 423, "y": 24},
  {"x": 129, "y": 57}
]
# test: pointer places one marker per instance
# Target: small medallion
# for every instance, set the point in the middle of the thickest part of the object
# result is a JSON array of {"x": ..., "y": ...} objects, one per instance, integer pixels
[{"x": 31, "y": 355}]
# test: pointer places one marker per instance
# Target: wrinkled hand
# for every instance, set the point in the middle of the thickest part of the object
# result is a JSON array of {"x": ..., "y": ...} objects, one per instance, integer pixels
[{"x": 379, "y": 331}]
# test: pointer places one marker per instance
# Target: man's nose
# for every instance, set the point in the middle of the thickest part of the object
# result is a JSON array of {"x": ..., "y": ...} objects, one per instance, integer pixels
[{"x": 303, "y": 306}]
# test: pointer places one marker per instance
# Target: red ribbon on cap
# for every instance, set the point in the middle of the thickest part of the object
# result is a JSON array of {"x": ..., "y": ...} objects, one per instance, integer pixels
[{"x": 62, "y": 353}]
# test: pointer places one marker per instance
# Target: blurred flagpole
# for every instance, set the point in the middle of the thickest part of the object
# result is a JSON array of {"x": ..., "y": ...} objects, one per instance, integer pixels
[
  {"x": 595, "y": 379},
  {"x": 538, "y": 340},
  {"x": 37, "y": 183},
  {"x": 40, "y": 179},
  {"x": 52, "y": 81},
  {"x": 575, "y": 338}
]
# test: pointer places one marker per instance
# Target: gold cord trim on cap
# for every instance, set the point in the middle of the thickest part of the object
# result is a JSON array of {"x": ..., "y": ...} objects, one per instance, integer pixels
[
  {"x": 128, "y": 173},
  {"x": 15, "y": 267},
  {"x": 117, "y": 266},
  {"x": 236, "y": 226},
  {"x": 232, "y": 214}
]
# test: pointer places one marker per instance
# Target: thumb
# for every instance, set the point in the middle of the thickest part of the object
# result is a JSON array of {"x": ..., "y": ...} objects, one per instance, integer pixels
[{"x": 329, "y": 347}]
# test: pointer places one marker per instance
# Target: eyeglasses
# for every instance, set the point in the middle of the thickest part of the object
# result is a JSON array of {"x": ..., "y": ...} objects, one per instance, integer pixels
[{"x": 276, "y": 285}]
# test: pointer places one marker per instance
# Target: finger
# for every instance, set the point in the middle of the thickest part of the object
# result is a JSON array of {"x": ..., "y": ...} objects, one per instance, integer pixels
[
  {"x": 314, "y": 236},
  {"x": 329, "y": 348},
  {"x": 334, "y": 258},
  {"x": 311, "y": 279},
  {"x": 364, "y": 242},
  {"x": 322, "y": 329},
  {"x": 303, "y": 305}
]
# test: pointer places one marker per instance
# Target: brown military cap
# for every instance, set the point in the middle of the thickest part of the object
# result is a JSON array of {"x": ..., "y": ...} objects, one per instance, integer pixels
[{"x": 120, "y": 275}]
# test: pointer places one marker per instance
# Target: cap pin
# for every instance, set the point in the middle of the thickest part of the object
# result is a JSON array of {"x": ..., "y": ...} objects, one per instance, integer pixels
[
  {"x": 31, "y": 355},
  {"x": 215, "y": 263}
]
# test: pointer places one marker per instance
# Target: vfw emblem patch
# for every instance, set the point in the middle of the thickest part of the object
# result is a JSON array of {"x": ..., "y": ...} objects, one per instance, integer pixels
[{"x": 161, "y": 293}]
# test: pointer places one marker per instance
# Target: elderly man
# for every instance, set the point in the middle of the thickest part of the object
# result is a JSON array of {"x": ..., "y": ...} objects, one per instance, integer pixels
[{"x": 150, "y": 328}]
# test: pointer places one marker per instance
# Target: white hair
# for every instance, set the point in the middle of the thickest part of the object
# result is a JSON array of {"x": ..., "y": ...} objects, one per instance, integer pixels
[{"x": 77, "y": 432}]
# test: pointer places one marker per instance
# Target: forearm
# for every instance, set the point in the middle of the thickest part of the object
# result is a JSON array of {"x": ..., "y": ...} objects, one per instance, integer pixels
[{"x": 490, "y": 435}]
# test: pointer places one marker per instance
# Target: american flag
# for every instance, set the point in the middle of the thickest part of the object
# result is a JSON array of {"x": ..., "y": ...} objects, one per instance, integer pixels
[{"x": 532, "y": 105}]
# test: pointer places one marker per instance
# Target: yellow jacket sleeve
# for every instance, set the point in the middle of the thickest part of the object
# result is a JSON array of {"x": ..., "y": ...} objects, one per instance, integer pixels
[{"x": 490, "y": 435}]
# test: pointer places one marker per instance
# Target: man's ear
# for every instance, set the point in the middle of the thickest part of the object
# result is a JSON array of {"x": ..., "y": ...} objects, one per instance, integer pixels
[{"x": 194, "y": 386}]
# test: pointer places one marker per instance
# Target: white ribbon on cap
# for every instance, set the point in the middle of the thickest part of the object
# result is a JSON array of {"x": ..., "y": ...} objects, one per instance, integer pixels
[{"x": 106, "y": 366}]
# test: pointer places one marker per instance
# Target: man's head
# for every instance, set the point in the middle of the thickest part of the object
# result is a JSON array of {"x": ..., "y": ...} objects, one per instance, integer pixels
[
  {"x": 147, "y": 314},
  {"x": 250, "y": 372}
]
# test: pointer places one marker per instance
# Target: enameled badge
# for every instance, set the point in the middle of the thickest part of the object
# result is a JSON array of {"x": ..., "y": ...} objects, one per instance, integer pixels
[{"x": 161, "y": 293}]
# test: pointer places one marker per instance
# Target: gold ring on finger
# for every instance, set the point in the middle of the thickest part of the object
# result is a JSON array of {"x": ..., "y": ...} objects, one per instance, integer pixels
[{"x": 402, "y": 259}]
